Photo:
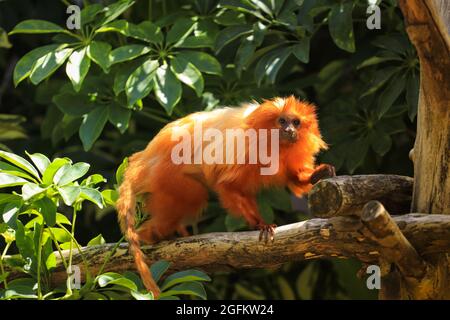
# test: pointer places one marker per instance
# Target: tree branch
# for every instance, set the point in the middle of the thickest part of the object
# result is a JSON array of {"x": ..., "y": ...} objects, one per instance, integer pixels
[
  {"x": 347, "y": 195},
  {"x": 316, "y": 238}
]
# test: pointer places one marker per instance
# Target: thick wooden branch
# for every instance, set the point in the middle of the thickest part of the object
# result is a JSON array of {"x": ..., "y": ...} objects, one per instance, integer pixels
[
  {"x": 393, "y": 245},
  {"x": 347, "y": 195},
  {"x": 316, "y": 238}
]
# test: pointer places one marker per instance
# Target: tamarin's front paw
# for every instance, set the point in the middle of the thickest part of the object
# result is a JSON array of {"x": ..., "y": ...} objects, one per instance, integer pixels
[
  {"x": 266, "y": 232},
  {"x": 323, "y": 171}
]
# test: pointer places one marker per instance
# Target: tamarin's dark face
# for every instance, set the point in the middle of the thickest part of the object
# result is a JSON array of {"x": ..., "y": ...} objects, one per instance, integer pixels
[{"x": 288, "y": 125}]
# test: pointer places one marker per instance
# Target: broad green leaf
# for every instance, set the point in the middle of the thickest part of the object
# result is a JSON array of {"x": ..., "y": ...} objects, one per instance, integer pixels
[
  {"x": 46, "y": 65},
  {"x": 395, "y": 43},
  {"x": 92, "y": 126},
  {"x": 36, "y": 26},
  {"x": 92, "y": 195},
  {"x": 184, "y": 276},
  {"x": 99, "y": 51},
  {"x": 89, "y": 13},
  {"x": 124, "y": 71},
  {"x": 48, "y": 210},
  {"x": 340, "y": 24},
  {"x": 187, "y": 73},
  {"x": 77, "y": 67},
  {"x": 203, "y": 61},
  {"x": 203, "y": 36},
  {"x": 390, "y": 94},
  {"x": 412, "y": 95},
  {"x": 40, "y": 161},
  {"x": 93, "y": 180},
  {"x": 180, "y": 30},
  {"x": 127, "y": 52},
  {"x": 62, "y": 219},
  {"x": 301, "y": 50},
  {"x": 229, "y": 34},
  {"x": 69, "y": 194},
  {"x": 19, "y": 162},
  {"x": 145, "y": 31},
  {"x": 380, "y": 78},
  {"x": 229, "y": 18},
  {"x": 110, "y": 196},
  {"x": 121, "y": 170},
  {"x": 266, "y": 210},
  {"x": 116, "y": 9},
  {"x": 270, "y": 64},
  {"x": 142, "y": 296},
  {"x": 158, "y": 269},
  {"x": 167, "y": 88},
  {"x": 4, "y": 41},
  {"x": 30, "y": 190},
  {"x": 234, "y": 223},
  {"x": 244, "y": 54},
  {"x": 380, "y": 141},
  {"x": 73, "y": 104},
  {"x": 47, "y": 177},
  {"x": 24, "y": 66},
  {"x": 15, "y": 171},
  {"x": 140, "y": 82},
  {"x": 188, "y": 288},
  {"x": 151, "y": 31},
  {"x": 98, "y": 240},
  {"x": 50, "y": 262},
  {"x": 69, "y": 173},
  {"x": 119, "y": 116},
  {"x": 10, "y": 214}
]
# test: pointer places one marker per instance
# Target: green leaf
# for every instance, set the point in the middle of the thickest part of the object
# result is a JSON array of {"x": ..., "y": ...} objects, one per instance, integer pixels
[
  {"x": 92, "y": 126},
  {"x": 10, "y": 214},
  {"x": 110, "y": 278},
  {"x": 127, "y": 52},
  {"x": 380, "y": 78},
  {"x": 167, "y": 88},
  {"x": 19, "y": 162},
  {"x": 77, "y": 67},
  {"x": 229, "y": 34},
  {"x": 46, "y": 65},
  {"x": 36, "y": 26},
  {"x": 229, "y": 18},
  {"x": 412, "y": 95},
  {"x": 152, "y": 33},
  {"x": 184, "y": 276},
  {"x": 99, "y": 51},
  {"x": 50, "y": 262},
  {"x": 140, "y": 82},
  {"x": 202, "y": 61},
  {"x": 119, "y": 116},
  {"x": 270, "y": 64},
  {"x": 180, "y": 30},
  {"x": 98, "y": 240},
  {"x": 121, "y": 170},
  {"x": 89, "y": 13},
  {"x": 30, "y": 190},
  {"x": 187, "y": 73},
  {"x": 62, "y": 219},
  {"x": 244, "y": 54},
  {"x": 24, "y": 66},
  {"x": 47, "y": 177},
  {"x": 116, "y": 9},
  {"x": 69, "y": 173},
  {"x": 145, "y": 31},
  {"x": 380, "y": 141},
  {"x": 233, "y": 223},
  {"x": 73, "y": 104},
  {"x": 48, "y": 210},
  {"x": 301, "y": 50},
  {"x": 340, "y": 24},
  {"x": 69, "y": 194},
  {"x": 357, "y": 151},
  {"x": 92, "y": 195},
  {"x": 40, "y": 161},
  {"x": 188, "y": 288},
  {"x": 92, "y": 180},
  {"x": 390, "y": 94},
  {"x": 306, "y": 282},
  {"x": 142, "y": 296},
  {"x": 15, "y": 171},
  {"x": 4, "y": 41},
  {"x": 124, "y": 71},
  {"x": 159, "y": 268}
]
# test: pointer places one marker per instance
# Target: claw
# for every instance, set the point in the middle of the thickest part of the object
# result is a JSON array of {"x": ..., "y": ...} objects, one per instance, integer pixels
[
  {"x": 267, "y": 231},
  {"x": 323, "y": 171}
]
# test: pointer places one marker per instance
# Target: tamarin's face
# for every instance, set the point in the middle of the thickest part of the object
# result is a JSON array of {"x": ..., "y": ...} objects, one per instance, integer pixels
[{"x": 289, "y": 125}]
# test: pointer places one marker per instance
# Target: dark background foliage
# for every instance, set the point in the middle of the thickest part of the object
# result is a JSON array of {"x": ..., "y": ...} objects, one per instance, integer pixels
[{"x": 364, "y": 82}]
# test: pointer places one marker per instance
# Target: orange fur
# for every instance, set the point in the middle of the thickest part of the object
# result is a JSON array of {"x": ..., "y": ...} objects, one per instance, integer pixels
[{"x": 175, "y": 193}]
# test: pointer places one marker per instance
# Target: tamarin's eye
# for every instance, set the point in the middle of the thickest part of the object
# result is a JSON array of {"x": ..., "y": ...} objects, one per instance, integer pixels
[
  {"x": 296, "y": 122},
  {"x": 282, "y": 121}
]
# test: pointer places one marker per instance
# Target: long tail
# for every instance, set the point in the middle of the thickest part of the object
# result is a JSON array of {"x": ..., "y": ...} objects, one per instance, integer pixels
[{"x": 126, "y": 207}]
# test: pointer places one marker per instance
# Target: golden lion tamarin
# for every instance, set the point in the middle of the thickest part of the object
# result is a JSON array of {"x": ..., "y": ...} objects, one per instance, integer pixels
[{"x": 174, "y": 179}]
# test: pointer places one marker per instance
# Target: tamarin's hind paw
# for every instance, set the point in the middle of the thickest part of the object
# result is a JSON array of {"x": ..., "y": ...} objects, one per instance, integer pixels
[
  {"x": 266, "y": 232},
  {"x": 323, "y": 171}
]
